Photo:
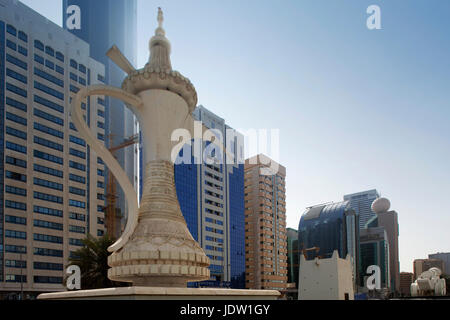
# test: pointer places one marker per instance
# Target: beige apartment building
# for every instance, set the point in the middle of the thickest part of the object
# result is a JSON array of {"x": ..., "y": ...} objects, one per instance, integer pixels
[
  {"x": 265, "y": 224},
  {"x": 53, "y": 184}
]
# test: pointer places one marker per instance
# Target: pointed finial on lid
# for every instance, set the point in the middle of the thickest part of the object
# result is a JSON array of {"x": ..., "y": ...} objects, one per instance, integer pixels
[{"x": 160, "y": 17}]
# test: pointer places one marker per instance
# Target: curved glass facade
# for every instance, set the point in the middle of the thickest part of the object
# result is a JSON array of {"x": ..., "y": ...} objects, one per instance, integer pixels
[{"x": 325, "y": 228}]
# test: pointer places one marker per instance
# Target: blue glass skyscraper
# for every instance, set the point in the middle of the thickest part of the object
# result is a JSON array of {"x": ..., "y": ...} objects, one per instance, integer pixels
[
  {"x": 105, "y": 23},
  {"x": 361, "y": 202},
  {"x": 211, "y": 197}
]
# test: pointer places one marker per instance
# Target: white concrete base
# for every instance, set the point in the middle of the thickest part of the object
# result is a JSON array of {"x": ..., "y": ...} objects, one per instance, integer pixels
[{"x": 160, "y": 293}]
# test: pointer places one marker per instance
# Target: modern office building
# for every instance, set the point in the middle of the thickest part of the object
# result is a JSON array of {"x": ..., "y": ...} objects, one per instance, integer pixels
[
  {"x": 293, "y": 256},
  {"x": 211, "y": 197},
  {"x": 105, "y": 23},
  {"x": 374, "y": 250},
  {"x": 361, "y": 203},
  {"x": 445, "y": 257},
  {"x": 51, "y": 183},
  {"x": 421, "y": 265},
  {"x": 406, "y": 278},
  {"x": 265, "y": 225},
  {"x": 328, "y": 227},
  {"x": 388, "y": 219}
]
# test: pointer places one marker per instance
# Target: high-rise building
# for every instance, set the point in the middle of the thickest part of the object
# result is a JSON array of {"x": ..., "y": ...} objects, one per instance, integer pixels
[
  {"x": 51, "y": 183},
  {"x": 406, "y": 278},
  {"x": 328, "y": 227},
  {"x": 421, "y": 265},
  {"x": 211, "y": 197},
  {"x": 374, "y": 250},
  {"x": 388, "y": 219},
  {"x": 445, "y": 257},
  {"x": 361, "y": 203},
  {"x": 104, "y": 23},
  {"x": 265, "y": 225},
  {"x": 293, "y": 256}
]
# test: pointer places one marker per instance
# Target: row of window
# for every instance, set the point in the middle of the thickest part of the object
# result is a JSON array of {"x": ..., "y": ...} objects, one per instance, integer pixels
[
  {"x": 13, "y": 31},
  {"x": 16, "y": 162},
  {"x": 56, "y": 133},
  {"x": 16, "y": 104},
  {"x": 47, "y": 170},
  {"x": 48, "y": 184}
]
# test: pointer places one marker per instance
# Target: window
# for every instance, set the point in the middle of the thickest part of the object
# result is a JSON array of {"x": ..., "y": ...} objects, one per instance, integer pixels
[
  {"x": 15, "y": 234},
  {"x": 47, "y": 266},
  {"x": 22, "y": 51},
  {"x": 101, "y": 113},
  {"x": 15, "y": 278},
  {"x": 100, "y": 196},
  {"x": 77, "y": 216},
  {"x": 47, "y": 279},
  {"x": 15, "y": 176},
  {"x": 78, "y": 204},
  {"x": 100, "y": 78},
  {"x": 49, "y": 77},
  {"x": 100, "y": 232},
  {"x": 49, "y": 64},
  {"x": 49, "y": 117},
  {"x": 47, "y": 170},
  {"x": 49, "y": 51},
  {"x": 48, "y": 130},
  {"x": 16, "y": 147},
  {"x": 77, "y": 165},
  {"x": 11, "y": 30},
  {"x": 47, "y": 238},
  {"x": 100, "y": 172},
  {"x": 16, "y": 61},
  {"x": 16, "y": 162},
  {"x": 16, "y": 133},
  {"x": 76, "y": 242},
  {"x": 100, "y": 125},
  {"x": 23, "y": 36},
  {"x": 16, "y": 75},
  {"x": 47, "y": 197},
  {"x": 73, "y": 76},
  {"x": 48, "y": 211},
  {"x": 16, "y": 220},
  {"x": 15, "y": 249},
  {"x": 16, "y": 104},
  {"x": 39, "y": 45},
  {"x": 77, "y": 153},
  {"x": 82, "y": 68},
  {"x": 101, "y": 101},
  {"x": 73, "y": 64},
  {"x": 16, "y": 90},
  {"x": 11, "y": 45},
  {"x": 48, "y": 90},
  {"x": 39, "y": 59},
  {"x": 16, "y": 264},
  {"x": 77, "y": 191},
  {"x": 100, "y": 136},
  {"x": 74, "y": 89},
  {"x": 47, "y": 184},
  {"x": 77, "y": 178},
  {"x": 48, "y": 252},
  {"x": 100, "y": 185},
  {"x": 82, "y": 81},
  {"x": 59, "y": 56},
  {"x": 100, "y": 220},
  {"x": 48, "y": 157},
  {"x": 16, "y": 190},
  {"x": 59, "y": 69},
  {"x": 77, "y": 140},
  {"x": 16, "y": 118},
  {"x": 48, "y": 143},
  {"x": 77, "y": 229},
  {"x": 49, "y": 104},
  {"x": 47, "y": 224}
]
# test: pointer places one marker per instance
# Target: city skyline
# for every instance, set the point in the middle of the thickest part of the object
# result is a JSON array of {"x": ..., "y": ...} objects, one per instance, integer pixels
[{"x": 357, "y": 109}]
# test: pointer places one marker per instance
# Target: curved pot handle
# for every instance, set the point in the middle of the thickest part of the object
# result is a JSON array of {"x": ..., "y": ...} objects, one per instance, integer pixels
[{"x": 133, "y": 103}]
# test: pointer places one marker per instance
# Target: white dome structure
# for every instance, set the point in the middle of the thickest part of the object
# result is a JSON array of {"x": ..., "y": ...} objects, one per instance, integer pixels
[{"x": 381, "y": 205}]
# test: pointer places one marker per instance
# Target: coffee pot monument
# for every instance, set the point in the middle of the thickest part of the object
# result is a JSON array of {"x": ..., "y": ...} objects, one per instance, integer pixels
[{"x": 156, "y": 251}]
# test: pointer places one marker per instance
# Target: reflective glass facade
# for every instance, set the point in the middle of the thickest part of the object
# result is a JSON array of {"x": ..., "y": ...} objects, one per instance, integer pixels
[
  {"x": 328, "y": 228},
  {"x": 2, "y": 139},
  {"x": 211, "y": 198},
  {"x": 361, "y": 203},
  {"x": 105, "y": 23}
]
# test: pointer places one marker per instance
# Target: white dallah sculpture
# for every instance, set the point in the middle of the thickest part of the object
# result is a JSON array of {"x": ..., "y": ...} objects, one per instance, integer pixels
[
  {"x": 156, "y": 248},
  {"x": 429, "y": 283}
]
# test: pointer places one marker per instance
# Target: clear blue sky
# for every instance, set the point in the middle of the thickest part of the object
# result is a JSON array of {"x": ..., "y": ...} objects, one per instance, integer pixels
[{"x": 357, "y": 109}]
